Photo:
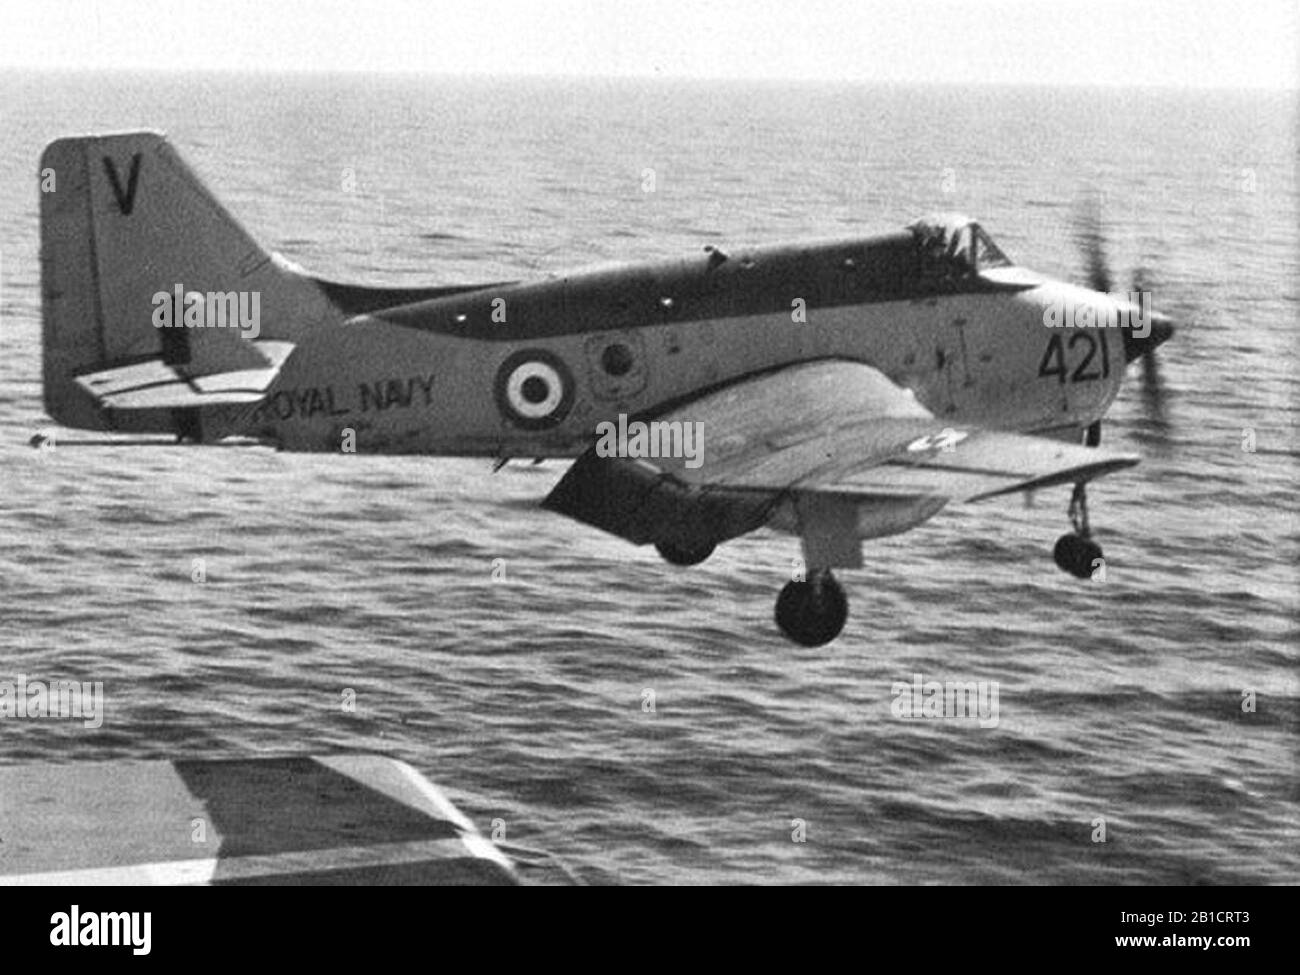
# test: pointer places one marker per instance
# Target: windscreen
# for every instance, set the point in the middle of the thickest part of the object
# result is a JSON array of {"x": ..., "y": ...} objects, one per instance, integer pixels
[{"x": 987, "y": 254}]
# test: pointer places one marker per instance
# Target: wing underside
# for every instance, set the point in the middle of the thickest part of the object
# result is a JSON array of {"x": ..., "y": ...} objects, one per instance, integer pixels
[{"x": 832, "y": 449}]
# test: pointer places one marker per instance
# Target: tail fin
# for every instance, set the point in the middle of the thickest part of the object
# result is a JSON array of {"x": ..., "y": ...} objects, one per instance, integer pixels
[{"x": 123, "y": 220}]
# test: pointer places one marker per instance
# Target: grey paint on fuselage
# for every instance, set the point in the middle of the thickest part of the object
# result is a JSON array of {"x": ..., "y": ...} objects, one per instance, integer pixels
[{"x": 423, "y": 378}]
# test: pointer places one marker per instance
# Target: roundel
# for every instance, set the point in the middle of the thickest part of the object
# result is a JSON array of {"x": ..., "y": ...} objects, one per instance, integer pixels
[{"x": 534, "y": 389}]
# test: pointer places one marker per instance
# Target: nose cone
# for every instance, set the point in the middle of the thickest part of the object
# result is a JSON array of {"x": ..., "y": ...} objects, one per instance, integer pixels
[{"x": 1137, "y": 345}]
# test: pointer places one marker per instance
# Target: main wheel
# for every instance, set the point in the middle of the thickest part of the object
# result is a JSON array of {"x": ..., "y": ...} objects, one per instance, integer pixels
[
  {"x": 812, "y": 613},
  {"x": 1077, "y": 555},
  {"x": 684, "y": 555}
]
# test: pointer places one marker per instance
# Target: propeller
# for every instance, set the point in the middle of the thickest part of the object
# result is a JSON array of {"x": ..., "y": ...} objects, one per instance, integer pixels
[
  {"x": 1153, "y": 387},
  {"x": 1091, "y": 239}
]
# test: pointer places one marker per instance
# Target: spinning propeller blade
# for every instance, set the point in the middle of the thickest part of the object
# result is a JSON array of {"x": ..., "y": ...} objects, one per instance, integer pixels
[{"x": 1091, "y": 238}]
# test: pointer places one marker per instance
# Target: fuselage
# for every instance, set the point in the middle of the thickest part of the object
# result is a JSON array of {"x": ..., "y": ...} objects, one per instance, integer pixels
[{"x": 530, "y": 368}]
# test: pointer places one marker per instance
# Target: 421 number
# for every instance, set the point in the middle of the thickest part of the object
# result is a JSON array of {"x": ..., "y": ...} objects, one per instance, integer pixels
[{"x": 1062, "y": 350}]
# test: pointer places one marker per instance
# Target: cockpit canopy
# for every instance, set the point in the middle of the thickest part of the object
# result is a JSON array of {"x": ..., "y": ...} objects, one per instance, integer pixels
[{"x": 957, "y": 244}]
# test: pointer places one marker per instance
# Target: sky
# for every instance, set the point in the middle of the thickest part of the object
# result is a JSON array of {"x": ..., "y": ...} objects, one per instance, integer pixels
[{"x": 1197, "y": 43}]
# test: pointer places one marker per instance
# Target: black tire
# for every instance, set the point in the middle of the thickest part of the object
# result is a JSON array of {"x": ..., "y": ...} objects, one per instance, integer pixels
[
  {"x": 812, "y": 613},
  {"x": 682, "y": 555},
  {"x": 1076, "y": 555}
]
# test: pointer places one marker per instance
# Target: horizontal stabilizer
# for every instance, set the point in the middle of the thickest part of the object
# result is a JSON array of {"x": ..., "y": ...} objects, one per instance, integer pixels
[{"x": 154, "y": 385}]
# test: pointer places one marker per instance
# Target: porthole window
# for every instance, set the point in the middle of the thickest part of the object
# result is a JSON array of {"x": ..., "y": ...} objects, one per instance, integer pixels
[{"x": 616, "y": 359}]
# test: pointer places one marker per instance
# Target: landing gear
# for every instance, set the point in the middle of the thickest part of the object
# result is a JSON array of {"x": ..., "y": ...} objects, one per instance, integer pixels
[
  {"x": 1077, "y": 555},
  {"x": 684, "y": 555},
  {"x": 812, "y": 613},
  {"x": 1076, "y": 552}
]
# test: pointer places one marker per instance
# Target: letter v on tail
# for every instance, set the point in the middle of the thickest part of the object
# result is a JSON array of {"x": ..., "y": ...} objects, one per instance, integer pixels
[{"x": 125, "y": 201}]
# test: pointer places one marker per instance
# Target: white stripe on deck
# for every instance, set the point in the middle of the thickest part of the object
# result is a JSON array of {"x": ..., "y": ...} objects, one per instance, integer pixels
[{"x": 205, "y": 871}]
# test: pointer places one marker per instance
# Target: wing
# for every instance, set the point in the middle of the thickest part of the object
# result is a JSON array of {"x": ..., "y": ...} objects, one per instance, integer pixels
[{"x": 831, "y": 449}]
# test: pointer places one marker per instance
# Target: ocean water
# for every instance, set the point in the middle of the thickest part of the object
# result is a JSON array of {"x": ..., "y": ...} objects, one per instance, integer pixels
[{"x": 525, "y": 696}]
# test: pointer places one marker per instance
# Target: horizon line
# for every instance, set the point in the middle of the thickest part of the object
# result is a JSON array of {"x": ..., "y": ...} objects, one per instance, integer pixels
[{"x": 631, "y": 76}]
